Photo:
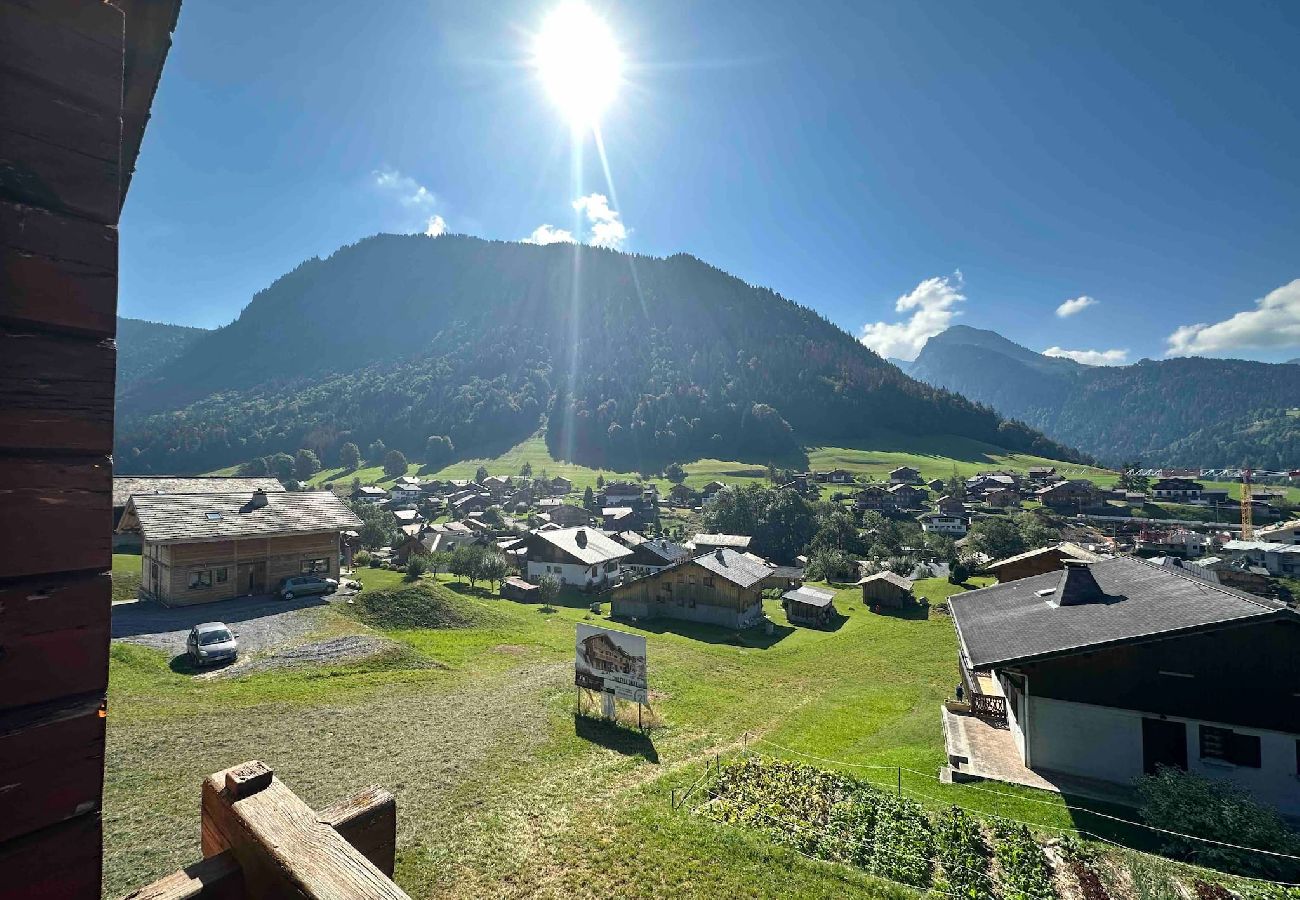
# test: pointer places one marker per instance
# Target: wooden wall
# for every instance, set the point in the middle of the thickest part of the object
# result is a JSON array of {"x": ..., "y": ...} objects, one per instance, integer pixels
[
  {"x": 282, "y": 556},
  {"x": 63, "y": 76}
]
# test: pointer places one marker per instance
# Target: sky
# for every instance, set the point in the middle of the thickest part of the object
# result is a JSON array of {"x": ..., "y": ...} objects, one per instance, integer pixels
[{"x": 1107, "y": 181}]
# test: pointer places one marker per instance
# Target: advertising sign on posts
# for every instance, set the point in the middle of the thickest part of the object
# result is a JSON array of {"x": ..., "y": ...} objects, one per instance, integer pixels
[{"x": 611, "y": 661}]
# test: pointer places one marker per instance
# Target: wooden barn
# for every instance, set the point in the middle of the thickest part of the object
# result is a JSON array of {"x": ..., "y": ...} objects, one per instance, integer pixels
[
  {"x": 199, "y": 548},
  {"x": 810, "y": 606},
  {"x": 718, "y": 588},
  {"x": 886, "y": 589}
]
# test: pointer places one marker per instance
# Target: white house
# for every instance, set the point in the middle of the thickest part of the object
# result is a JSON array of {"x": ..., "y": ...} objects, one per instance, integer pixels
[
  {"x": 582, "y": 556},
  {"x": 1110, "y": 669},
  {"x": 939, "y": 523},
  {"x": 404, "y": 489}
]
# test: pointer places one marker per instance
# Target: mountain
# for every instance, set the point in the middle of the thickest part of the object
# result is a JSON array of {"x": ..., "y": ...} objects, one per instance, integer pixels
[
  {"x": 143, "y": 347},
  {"x": 625, "y": 361},
  {"x": 1186, "y": 411}
]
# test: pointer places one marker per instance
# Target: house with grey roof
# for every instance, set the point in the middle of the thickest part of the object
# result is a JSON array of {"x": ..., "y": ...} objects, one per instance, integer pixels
[
  {"x": 198, "y": 548},
  {"x": 126, "y": 486},
  {"x": 1108, "y": 670},
  {"x": 721, "y": 587},
  {"x": 582, "y": 556}
]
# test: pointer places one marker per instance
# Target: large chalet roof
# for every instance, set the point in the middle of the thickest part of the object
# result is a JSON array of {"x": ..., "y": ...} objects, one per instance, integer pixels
[
  {"x": 183, "y": 518},
  {"x": 738, "y": 541},
  {"x": 587, "y": 545},
  {"x": 124, "y": 486},
  {"x": 1114, "y": 601},
  {"x": 740, "y": 569},
  {"x": 895, "y": 580},
  {"x": 809, "y": 596},
  {"x": 1065, "y": 548}
]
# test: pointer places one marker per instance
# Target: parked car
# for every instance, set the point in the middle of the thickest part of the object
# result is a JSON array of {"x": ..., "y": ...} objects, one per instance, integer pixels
[
  {"x": 302, "y": 585},
  {"x": 211, "y": 642}
]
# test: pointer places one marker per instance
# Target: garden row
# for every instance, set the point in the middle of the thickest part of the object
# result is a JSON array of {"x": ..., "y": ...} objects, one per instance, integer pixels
[{"x": 830, "y": 816}]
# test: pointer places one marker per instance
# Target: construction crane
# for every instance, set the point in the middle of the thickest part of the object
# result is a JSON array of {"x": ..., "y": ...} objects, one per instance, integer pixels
[{"x": 1247, "y": 523}]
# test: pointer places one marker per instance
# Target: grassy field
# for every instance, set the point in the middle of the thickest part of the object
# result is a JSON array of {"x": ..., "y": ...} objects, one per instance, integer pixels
[
  {"x": 501, "y": 790},
  {"x": 126, "y": 576},
  {"x": 936, "y": 457}
]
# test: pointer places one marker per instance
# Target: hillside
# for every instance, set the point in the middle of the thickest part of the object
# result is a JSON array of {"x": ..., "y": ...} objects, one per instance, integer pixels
[
  {"x": 624, "y": 361},
  {"x": 1190, "y": 411},
  {"x": 144, "y": 347}
]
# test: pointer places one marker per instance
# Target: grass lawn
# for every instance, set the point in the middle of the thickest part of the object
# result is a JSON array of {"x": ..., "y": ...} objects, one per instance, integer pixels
[
  {"x": 501, "y": 790},
  {"x": 126, "y": 576},
  {"x": 935, "y": 457}
]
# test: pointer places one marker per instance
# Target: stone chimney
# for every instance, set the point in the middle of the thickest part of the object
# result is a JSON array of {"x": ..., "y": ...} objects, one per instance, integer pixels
[
  {"x": 259, "y": 499},
  {"x": 717, "y": 554},
  {"x": 580, "y": 538},
  {"x": 1077, "y": 585}
]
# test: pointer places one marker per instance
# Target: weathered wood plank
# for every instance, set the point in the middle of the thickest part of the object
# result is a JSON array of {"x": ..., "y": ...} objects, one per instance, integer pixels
[
  {"x": 44, "y": 293},
  {"x": 56, "y": 236},
  {"x": 27, "y": 870},
  {"x": 54, "y": 177},
  {"x": 50, "y": 44},
  {"x": 284, "y": 848},
  {"x": 52, "y": 757},
  {"x": 89, "y": 20},
  {"x": 54, "y": 638},
  {"x": 55, "y": 514},
  {"x": 44, "y": 113},
  {"x": 58, "y": 393},
  {"x": 367, "y": 821},
  {"x": 215, "y": 878}
]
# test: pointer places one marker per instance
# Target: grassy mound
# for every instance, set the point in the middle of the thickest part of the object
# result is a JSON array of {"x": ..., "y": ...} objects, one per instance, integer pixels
[{"x": 424, "y": 605}]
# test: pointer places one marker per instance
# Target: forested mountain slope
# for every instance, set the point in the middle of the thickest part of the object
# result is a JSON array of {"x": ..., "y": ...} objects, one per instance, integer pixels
[
  {"x": 628, "y": 361},
  {"x": 1187, "y": 411},
  {"x": 143, "y": 347}
]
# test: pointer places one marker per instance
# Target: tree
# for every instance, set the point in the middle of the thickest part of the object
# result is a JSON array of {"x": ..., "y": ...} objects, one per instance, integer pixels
[
  {"x": 492, "y": 515},
  {"x": 438, "y": 451},
  {"x": 600, "y": 481},
  {"x": 1035, "y": 532},
  {"x": 416, "y": 565},
  {"x": 675, "y": 473},
  {"x": 1130, "y": 480},
  {"x": 481, "y": 474},
  {"x": 830, "y": 564},
  {"x": 466, "y": 562},
  {"x": 996, "y": 537},
  {"x": 526, "y": 470},
  {"x": 306, "y": 464},
  {"x": 356, "y": 484},
  {"x": 438, "y": 562},
  {"x": 350, "y": 456},
  {"x": 548, "y": 588},
  {"x": 282, "y": 466},
  {"x": 375, "y": 455},
  {"x": 955, "y": 487},
  {"x": 395, "y": 463},
  {"x": 958, "y": 572},
  {"x": 493, "y": 568},
  {"x": 254, "y": 468},
  {"x": 588, "y": 498}
]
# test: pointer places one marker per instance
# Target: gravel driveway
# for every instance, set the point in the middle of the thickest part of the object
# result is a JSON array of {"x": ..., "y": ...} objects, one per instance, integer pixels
[{"x": 260, "y": 623}]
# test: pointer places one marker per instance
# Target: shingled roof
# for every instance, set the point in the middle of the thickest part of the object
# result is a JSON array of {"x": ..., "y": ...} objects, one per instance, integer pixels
[
  {"x": 1127, "y": 599},
  {"x": 183, "y": 518},
  {"x": 740, "y": 569},
  {"x": 587, "y": 545},
  {"x": 124, "y": 486}
]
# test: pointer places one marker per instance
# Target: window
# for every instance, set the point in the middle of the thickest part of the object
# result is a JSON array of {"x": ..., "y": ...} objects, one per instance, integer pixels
[
  {"x": 200, "y": 578},
  {"x": 1229, "y": 746},
  {"x": 708, "y": 581},
  {"x": 312, "y": 566},
  {"x": 220, "y": 575}
]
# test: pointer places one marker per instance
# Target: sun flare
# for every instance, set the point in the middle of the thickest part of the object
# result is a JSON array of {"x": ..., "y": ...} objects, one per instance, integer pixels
[{"x": 579, "y": 62}]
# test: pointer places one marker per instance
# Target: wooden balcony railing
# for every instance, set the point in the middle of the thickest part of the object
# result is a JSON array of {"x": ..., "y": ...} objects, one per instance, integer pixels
[
  {"x": 989, "y": 706},
  {"x": 261, "y": 841}
]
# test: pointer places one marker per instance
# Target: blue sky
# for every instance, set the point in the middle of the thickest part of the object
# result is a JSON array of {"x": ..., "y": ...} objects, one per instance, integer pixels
[{"x": 897, "y": 166}]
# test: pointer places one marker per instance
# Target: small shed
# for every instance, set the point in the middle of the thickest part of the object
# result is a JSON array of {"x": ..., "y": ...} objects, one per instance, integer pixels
[
  {"x": 886, "y": 589},
  {"x": 809, "y": 606},
  {"x": 515, "y": 588}
]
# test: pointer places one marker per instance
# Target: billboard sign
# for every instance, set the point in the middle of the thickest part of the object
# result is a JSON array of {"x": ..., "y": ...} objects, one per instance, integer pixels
[{"x": 609, "y": 660}]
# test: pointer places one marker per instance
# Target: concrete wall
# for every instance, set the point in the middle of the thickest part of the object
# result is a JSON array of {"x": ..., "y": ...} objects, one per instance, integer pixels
[
  {"x": 1105, "y": 743},
  {"x": 568, "y": 573}
]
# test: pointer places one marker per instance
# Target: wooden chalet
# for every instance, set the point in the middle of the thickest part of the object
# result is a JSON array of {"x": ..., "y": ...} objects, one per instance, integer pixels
[
  {"x": 904, "y": 475},
  {"x": 905, "y": 496},
  {"x": 125, "y": 486},
  {"x": 1035, "y": 562},
  {"x": 515, "y": 588},
  {"x": 810, "y": 606},
  {"x": 886, "y": 589},
  {"x": 718, "y": 588}
]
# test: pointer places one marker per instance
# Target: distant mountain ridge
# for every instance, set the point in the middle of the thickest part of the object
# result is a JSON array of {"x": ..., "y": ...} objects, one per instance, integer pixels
[
  {"x": 625, "y": 361},
  {"x": 1184, "y": 411},
  {"x": 144, "y": 347}
]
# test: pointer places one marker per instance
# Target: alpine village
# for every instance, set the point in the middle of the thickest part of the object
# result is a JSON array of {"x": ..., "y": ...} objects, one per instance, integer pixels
[{"x": 456, "y": 567}]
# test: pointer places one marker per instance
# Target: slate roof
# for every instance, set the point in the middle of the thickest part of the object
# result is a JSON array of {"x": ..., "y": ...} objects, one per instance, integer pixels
[
  {"x": 738, "y": 568},
  {"x": 126, "y": 485},
  {"x": 896, "y": 580},
  {"x": 809, "y": 596},
  {"x": 1069, "y": 549},
  {"x": 182, "y": 518},
  {"x": 587, "y": 545},
  {"x": 722, "y": 540},
  {"x": 1017, "y": 621}
]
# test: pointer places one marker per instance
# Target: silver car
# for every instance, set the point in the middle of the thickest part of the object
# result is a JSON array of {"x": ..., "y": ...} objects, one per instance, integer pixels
[
  {"x": 302, "y": 585},
  {"x": 211, "y": 642}
]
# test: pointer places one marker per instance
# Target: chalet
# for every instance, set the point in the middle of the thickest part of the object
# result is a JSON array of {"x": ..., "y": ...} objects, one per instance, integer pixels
[
  {"x": 515, "y": 588},
  {"x": 711, "y": 488},
  {"x": 648, "y": 555},
  {"x": 445, "y": 537},
  {"x": 783, "y": 577},
  {"x": 705, "y": 543},
  {"x": 835, "y": 476},
  {"x": 496, "y": 485},
  {"x": 950, "y": 505},
  {"x": 936, "y": 484},
  {"x": 618, "y": 518},
  {"x": 1041, "y": 473},
  {"x": 469, "y": 503},
  {"x": 1183, "y": 541},
  {"x": 986, "y": 482},
  {"x": 567, "y": 515},
  {"x": 681, "y": 495},
  {"x": 1177, "y": 490},
  {"x": 1066, "y": 494},
  {"x": 719, "y": 588},
  {"x": 561, "y": 485},
  {"x": 404, "y": 490},
  {"x": 1214, "y": 497},
  {"x": 1037, "y": 562},
  {"x": 904, "y": 475},
  {"x": 1109, "y": 670},
  {"x": 1274, "y": 557},
  {"x": 1239, "y": 574},
  {"x": 1001, "y": 497},
  {"x": 204, "y": 547},
  {"x": 810, "y": 606},
  {"x": 627, "y": 493},
  {"x": 126, "y": 486},
  {"x": 369, "y": 493},
  {"x": 873, "y": 497},
  {"x": 954, "y": 525},
  {"x": 886, "y": 589},
  {"x": 408, "y": 516},
  {"x": 579, "y": 556},
  {"x": 1281, "y": 533},
  {"x": 905, "y": 496},
  {"x": 799, "y": 483}
]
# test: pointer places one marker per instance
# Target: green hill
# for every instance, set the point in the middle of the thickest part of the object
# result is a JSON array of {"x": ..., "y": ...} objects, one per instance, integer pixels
[{"x": 144, "y": 347}]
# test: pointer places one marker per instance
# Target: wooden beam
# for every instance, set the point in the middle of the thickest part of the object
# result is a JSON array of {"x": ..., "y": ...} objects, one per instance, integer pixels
[
  {"x": 61, "y": 862},
  {"x": 58, "y": 394},
  {"x": 215, "y": 878},
  {"x": 56, "y": 514},
  {"x": 283, "y": 847},
  {"x": 54, "y": 637}
]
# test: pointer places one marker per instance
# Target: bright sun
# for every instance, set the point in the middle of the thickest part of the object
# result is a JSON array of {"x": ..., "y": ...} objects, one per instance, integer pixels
[{"x": 579, "y": 62}]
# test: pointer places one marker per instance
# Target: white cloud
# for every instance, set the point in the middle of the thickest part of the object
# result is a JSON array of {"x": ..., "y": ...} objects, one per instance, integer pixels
[
  {"x": 1273, "y": 323},
  {"x": 607, "y": 229},
  {"x": 934, "y": 301},
  {"x": 545, "y": 234},
  {"x": 1075, "y": 306},
  {"x": 409, "y": 192},
  {"x": 1090, "y": 357}
]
